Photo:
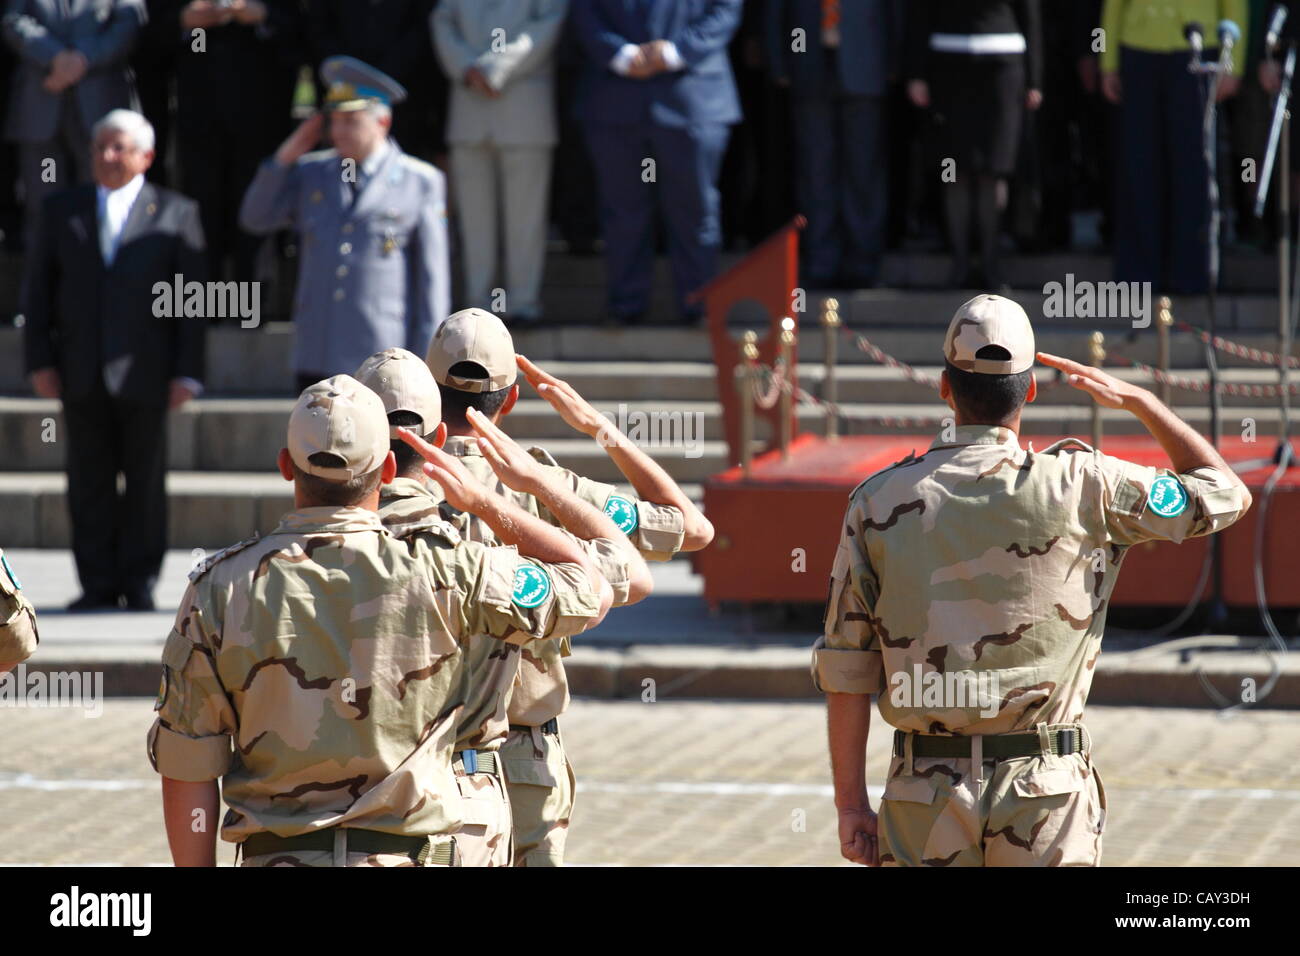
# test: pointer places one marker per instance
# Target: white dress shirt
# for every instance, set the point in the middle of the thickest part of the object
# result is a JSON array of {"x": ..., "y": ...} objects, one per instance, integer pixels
[{"x": 114, "y": 207}]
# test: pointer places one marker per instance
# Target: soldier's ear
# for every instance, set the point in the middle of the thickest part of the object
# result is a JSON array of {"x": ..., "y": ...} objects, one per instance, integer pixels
[
  {"x": 388, "y": 469},
  {"x": 945, "y": 390},
  {"x": 285, "y": 464},
  {"x": 1033, "y": 388},
  {"x": 439, "y": 435},
  {"x": 510, "y": 400}
]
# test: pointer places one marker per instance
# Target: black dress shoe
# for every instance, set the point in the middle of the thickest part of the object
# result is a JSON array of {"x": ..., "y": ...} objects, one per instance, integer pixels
[
  {"x": 139, "y": 601},
  {"x": 93, "y": 602}
]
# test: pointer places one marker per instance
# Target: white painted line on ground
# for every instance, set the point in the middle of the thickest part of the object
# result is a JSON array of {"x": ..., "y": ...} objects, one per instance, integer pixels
[{"x": 25, "y": 781}]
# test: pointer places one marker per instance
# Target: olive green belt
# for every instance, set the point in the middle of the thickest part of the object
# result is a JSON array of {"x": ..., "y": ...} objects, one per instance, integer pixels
[
  {"x": 1060, "y": 742},
  {"x": 421, "y": 849},
  {"x": 478, "y": 761},
  {"x": 552, "y": 726}
]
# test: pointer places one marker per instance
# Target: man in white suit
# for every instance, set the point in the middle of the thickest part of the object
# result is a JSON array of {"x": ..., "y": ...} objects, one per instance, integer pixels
[{"x": 500, "y": 56}]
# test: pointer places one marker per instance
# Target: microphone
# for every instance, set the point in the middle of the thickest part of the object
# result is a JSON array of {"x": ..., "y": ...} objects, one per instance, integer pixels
[
  {"x": 1275, "y": 24},
  {"x": 1229, "y": 34},
  {"x": 1195, "y": 34}
]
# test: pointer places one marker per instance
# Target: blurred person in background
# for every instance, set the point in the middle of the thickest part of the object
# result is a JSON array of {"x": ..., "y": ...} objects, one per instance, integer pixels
[
  {"x": 499, "y": 56},
  {"x": 72, "y": 69},
  {"x": 1162, "y": 207},
  {"x": 658, "y": 100},
  {"x": 976, "y": 65}
]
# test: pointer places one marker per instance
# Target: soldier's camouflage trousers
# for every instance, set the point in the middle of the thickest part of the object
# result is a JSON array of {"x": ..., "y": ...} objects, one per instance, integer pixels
[
  {"x": 485, "y": 838},
  {"x": 1026, "y": 811},
  {"x": 542, "y": 787}
]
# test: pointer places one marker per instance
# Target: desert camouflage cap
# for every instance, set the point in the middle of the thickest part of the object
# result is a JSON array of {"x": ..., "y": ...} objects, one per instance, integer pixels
[
  {"x": 990, "y": 320},
  {"x": 473, "y": 335},
  {"x": 404, "y": 384},
  {"x": 340, "y": 416}
]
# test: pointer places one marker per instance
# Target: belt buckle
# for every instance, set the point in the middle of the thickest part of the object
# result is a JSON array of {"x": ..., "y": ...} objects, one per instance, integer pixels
[
  {"x": 1068, "y": 742},
  {"x": 469, "y": 760}
]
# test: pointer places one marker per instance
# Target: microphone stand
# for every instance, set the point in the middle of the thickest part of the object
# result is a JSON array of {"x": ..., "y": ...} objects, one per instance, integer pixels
[
  {"x": 1209, "y": 136},
  {"x": 1279, "y": 144}
]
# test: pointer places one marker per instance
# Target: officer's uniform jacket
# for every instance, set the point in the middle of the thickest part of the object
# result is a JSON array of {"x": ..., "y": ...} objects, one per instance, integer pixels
[
  {"x": 373, "y": 270},
  {"x": 318, "y": 670}
]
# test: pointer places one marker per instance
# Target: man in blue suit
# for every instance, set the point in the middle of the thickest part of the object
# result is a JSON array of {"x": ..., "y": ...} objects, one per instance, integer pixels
[
  {"x": 658, "y": 86},
  {"x": 838, "y": 101}
]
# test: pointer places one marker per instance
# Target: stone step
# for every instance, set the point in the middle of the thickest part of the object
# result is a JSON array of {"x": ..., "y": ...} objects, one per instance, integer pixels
[
  {"x": 204, "y": 510},
  {"x": 645, "y": 363}
]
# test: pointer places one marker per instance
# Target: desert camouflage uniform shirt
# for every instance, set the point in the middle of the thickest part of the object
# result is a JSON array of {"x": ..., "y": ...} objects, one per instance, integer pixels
[
  {"x": 406, "y": 506},
  {"x": 327, "y": 655},
  {"x": 541, "y": 690},
  {"x": 980, "y": 556}
]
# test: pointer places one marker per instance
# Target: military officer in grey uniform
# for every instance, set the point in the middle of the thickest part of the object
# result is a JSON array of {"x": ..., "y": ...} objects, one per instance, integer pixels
[
  {"x": 373, "y": 270},
  {"x": 18, "y": 638}
]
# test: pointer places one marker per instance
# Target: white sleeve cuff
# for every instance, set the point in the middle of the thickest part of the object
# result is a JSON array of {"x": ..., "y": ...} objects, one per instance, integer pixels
[
  {"x": 622, "y": 61},
  {"x": 673, "y": 59},
  {"x": 194, "y": 385}
]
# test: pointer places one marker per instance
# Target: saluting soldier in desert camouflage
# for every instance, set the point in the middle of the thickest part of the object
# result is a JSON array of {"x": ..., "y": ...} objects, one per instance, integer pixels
[
  {"x": 318, "y": 672},
  {"x": 473, "y": 359},
  {"x": 969, "y": 593},
  {"x": 409, "y": 504}
]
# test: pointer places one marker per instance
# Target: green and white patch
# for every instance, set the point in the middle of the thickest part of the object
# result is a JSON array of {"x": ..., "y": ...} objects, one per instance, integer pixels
[
  {"x": 532, "y": 586},
  {"x": 623, "y": 513},
  {"x": 1167, "y": 497}
]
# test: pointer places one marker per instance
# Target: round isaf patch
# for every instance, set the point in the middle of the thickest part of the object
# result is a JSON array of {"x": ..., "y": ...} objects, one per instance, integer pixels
[
  {"x": 623, "y": 513},
  {"x": 162, "y": 691},
  {"x": 1167, "y": 497},
  {"x": 532, "y": 586}
]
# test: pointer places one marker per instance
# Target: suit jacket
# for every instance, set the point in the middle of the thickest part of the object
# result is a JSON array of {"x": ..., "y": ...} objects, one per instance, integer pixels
[
  {"x": 83, "y": 315},
  {"x": 871, "y": 32},
  {"x": 521, "y": 68},
  {"x": 104, "y": 30},
  {"x": 372, "y": 273},
  {"x": 703, "y": 92}
]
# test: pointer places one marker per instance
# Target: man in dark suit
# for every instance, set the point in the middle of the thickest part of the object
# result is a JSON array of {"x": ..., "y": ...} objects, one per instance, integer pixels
[
  {"x": 838, "y": 101},
  {"x": 93, "y": 339},
  {"x": 658, "y": 86}
]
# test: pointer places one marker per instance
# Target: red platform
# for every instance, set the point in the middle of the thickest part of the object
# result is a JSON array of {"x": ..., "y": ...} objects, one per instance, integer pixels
[{"x": 799, "y": 502}]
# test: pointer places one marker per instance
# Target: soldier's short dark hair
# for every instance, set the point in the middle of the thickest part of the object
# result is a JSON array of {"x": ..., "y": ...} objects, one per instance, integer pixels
[
  {"x": 990, "y": 399},
  {"x": 409, "y": 462},
  {"x": 455, "y": 402},
  {"x": 335, "y": 494}
]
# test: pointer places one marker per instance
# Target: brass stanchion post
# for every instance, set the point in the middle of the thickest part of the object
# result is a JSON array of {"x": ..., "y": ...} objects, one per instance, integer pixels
[
  {"x": 1096, "y": 355},
  {"x": 830, "y": 391},
  {"x": 746, "y": 375}
]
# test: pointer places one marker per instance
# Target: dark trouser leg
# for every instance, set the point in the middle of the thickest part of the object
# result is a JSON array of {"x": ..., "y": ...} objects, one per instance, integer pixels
[
  {"x": 626, "y": 214},
  {"x": 957, "y": 198},
  {"x": 987, "y": 221},
  {"x": 689, "y": 162},
  {"x": 818, "y": 187},
  {"x": 1139, "y": 194},
  {"x": 142, "y": 519},
  {"x": 91, "y": 460},
  {"x": 1189, "y": 202},
  {"x": 864, "y": 196}
]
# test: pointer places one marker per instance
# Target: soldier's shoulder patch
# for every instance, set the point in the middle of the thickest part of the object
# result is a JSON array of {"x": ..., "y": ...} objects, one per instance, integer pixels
[
  {"x": 206, "y": 564},
  {"x": 163, "y": 686},
  {"x": 542, "y": 455},
  {"x": 1167, "y": 497},
  {"x": 532, "y": 585},
  {"x": 623, "y": 512}
]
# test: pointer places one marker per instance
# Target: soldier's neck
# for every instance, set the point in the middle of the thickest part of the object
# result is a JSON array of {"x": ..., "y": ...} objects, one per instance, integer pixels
[{"x": 1013, "y": 423}]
